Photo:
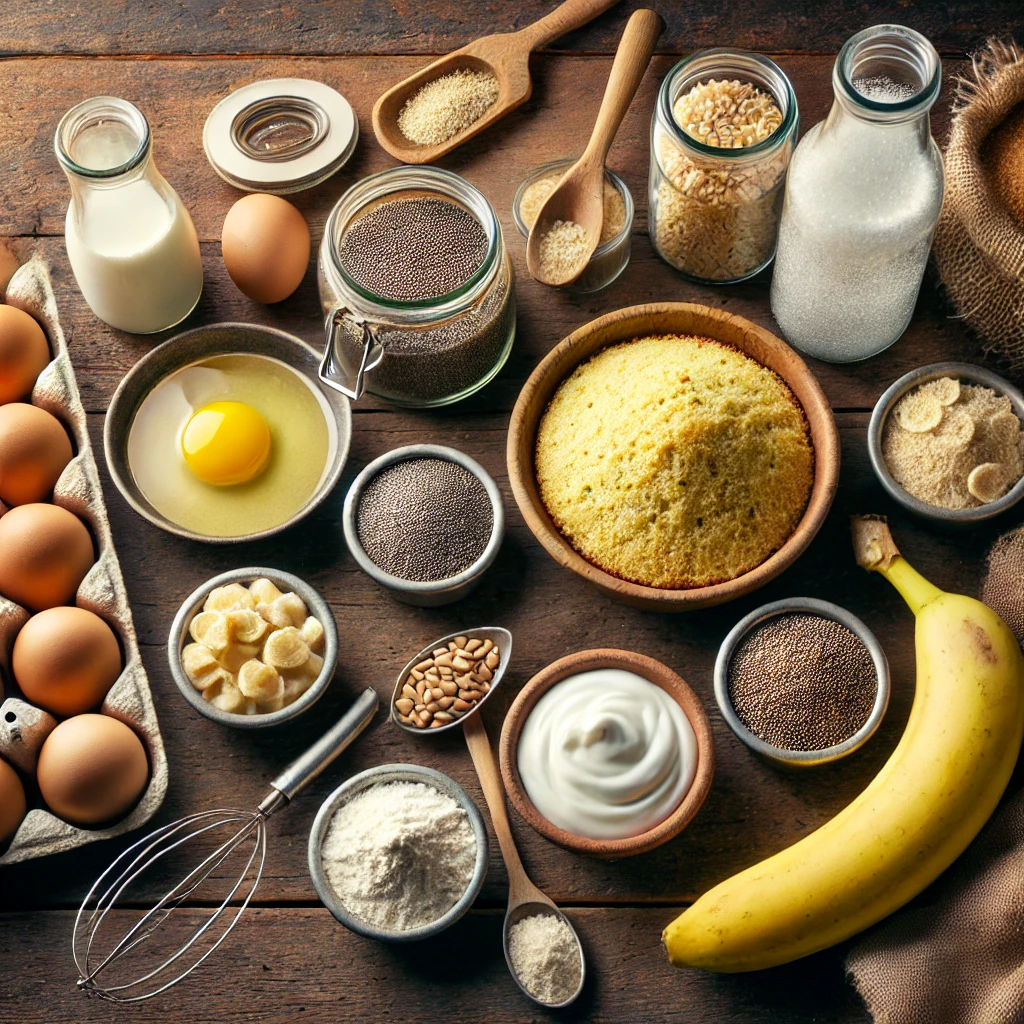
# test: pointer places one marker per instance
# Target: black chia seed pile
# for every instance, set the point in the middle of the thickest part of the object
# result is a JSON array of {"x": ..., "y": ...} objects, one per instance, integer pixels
[
  {"x": 422, "y": 248},
  {"x": 802, "y": 682},
  {"x": 424, "y": 519},
  {"x": 413, "y": 248}
]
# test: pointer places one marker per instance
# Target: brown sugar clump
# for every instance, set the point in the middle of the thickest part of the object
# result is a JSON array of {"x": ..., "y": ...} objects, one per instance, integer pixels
[
  {"x": 1004, "y": 158},
  {"x": 1002, "y": 587}
]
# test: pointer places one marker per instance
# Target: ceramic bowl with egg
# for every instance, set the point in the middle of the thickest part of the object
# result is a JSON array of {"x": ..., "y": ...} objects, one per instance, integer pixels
[
  {"x": 224, "y": 434},
  {"x": 573, "y": 666},
  {"x": 966, "y": 373},
  {"x": 203, "y": 699}
]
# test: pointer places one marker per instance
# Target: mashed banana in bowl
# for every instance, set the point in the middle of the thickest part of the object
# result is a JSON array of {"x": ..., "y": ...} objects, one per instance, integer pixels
[{"x": 674, "y": 461}]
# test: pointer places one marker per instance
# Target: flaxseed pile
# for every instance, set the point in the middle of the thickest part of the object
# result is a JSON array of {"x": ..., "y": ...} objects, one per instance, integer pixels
[
  {"x": 424, "y": 519},
  {"x": 802, "y": 682}
]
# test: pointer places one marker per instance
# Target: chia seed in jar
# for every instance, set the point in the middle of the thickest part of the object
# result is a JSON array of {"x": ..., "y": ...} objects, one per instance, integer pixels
[
  {"x": 417, "y": 255},
  {"x": 424, "y": 519}
]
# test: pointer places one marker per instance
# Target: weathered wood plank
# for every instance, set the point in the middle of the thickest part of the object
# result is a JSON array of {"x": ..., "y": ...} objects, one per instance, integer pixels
[
  {"x": 288, "y": 965},
  {"x": 437, "y": 26}
]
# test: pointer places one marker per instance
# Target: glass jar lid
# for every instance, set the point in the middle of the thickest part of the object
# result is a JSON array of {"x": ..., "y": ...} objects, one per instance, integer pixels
[{"x": 281, "y": 136}]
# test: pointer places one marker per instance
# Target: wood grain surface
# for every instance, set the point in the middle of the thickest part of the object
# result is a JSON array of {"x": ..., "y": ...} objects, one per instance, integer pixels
[{"x": 290, "y": 960}]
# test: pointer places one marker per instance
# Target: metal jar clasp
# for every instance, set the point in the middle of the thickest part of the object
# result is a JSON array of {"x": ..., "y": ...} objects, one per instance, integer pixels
[{"x": 333, "y": 371}]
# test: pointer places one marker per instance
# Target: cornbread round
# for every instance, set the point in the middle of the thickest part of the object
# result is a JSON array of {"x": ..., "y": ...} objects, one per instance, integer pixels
[{"x": 674, "y": 461}]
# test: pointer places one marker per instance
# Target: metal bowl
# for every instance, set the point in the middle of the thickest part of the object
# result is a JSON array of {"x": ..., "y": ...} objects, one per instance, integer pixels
[
  {"x": 431, "y": 593},
  {"x": 964, "y": 372},
  {"x": 194, "y": 346},
  {"x": 285, "y": 581},
  {"x": 395, "y": 773},
  {"x": 801, "y": 758}
]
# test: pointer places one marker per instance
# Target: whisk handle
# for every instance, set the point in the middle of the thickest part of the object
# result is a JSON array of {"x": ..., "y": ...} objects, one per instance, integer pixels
[{"x": 309, "y": 765}]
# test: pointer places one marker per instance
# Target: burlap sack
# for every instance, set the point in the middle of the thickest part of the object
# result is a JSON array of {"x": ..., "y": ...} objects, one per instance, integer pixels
[{"x": 979, "y": 245}]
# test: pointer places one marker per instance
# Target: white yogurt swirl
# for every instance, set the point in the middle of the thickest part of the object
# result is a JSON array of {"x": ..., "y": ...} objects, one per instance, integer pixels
[{"x": 607, "y": 754}]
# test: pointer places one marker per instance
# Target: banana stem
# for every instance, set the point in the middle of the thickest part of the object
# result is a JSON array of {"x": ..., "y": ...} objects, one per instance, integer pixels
[{"x": 876, "y": 551}]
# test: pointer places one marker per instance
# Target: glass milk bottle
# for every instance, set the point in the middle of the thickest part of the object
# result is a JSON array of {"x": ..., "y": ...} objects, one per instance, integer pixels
[
  {"x": 862, "y": 200},
  {"x": 131, "y": 242}
]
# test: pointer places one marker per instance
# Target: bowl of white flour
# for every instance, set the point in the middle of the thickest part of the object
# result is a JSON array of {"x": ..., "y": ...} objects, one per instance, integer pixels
[{"x": 398, "y": 852}]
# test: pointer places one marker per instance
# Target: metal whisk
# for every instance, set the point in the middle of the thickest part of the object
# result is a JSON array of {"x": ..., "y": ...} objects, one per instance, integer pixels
[{"x": 246, "y": 840}]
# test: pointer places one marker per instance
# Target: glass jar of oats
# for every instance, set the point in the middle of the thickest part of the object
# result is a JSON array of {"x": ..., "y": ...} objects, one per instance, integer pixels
[{"x": 723, "y": 131}]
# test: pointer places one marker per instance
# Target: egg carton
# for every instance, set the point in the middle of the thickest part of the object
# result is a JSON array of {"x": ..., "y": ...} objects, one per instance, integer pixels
[{"x": 22, "y": 726}]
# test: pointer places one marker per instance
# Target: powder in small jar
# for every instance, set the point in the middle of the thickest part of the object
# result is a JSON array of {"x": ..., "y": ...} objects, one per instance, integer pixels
[
  {"x": 399, "y": 855},
  {"x": 546, "y": 957},
  {"x": 802, "y": 682},
  {"x": 562, "y": 247},
  {"x": 954, "y": 445},
  {"x": 414, "y": 248},
  {"x": 447, "y": 106},
  {"x": 424, "y": 519},
  {"x": 537, "y": 192}
]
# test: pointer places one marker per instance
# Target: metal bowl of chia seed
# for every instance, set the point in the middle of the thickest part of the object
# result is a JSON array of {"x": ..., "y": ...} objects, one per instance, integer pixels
[
  {"x": 770, "y": 751},
  {"x": 413, "y": 549},
  {"x": 380, "y": 775}
]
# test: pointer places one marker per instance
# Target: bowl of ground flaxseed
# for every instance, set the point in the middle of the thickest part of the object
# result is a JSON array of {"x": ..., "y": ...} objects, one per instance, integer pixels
[
  {"x": 946, "y": 441},
  {"x": 802, "y": 682},
  {"x": 425, "y": 522}
]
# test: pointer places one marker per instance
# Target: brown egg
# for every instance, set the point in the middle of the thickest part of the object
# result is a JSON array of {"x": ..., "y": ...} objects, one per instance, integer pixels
[
  {"x": 23, "y": 353},
  {"x": 265, "y": 242},
  {"x": 91, "y": 769},
  {"x": 34, "y": 449},
  {"x": 65, "y": 660},
  {"x": 45, "y": 552},
  {"x": 12, "y": 802}
]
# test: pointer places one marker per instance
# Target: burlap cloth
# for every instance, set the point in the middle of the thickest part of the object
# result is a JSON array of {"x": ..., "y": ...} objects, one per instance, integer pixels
[
  {"x": 959, "y": 957},
  {"x": 979, "y": 246}
]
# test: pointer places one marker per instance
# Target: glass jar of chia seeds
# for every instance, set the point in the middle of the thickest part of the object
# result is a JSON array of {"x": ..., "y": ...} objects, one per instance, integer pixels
[
  {"x": 722, "y": 134},
  {"x": 416, "y": 287}
]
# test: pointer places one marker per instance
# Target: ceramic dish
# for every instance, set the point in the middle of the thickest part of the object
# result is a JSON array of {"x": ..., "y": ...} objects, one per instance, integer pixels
[
  {"x": 284, "y": 581},
  {"x": 372, "y": 777},
  {"x": 963, "y": 372},
  {"x": 670, "y": 318},
  {"x": 23, "y": 727},
  {"x": 811, "y": 606},
  {"x": 587, "y": 661},
  {"x": 195, "y": 346},
  {"x": 429, "y": 593},
  {"x": 612, "y": 257}
]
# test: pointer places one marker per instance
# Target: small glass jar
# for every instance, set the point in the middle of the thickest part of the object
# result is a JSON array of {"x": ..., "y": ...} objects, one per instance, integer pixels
[
  {"x": 131, "y": 243},
  {"x": 418, "y": 352},
  {"x": 714, "y": 211},
  {"x": 611, "y": 257}
]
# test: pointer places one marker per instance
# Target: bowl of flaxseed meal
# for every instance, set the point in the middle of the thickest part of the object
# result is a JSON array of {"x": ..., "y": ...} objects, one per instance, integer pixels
[
  {"x": 425, "y": 522},
  {"x": 946, "y": 441},
  {"x": 802, "y": 682}
]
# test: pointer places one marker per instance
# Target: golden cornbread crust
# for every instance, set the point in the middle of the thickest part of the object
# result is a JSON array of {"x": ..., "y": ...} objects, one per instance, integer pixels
[{"x": 674, "y": 461}]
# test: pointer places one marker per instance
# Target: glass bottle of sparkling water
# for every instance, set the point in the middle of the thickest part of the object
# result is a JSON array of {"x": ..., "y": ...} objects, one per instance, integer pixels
[{"x": 862, "y": 200}]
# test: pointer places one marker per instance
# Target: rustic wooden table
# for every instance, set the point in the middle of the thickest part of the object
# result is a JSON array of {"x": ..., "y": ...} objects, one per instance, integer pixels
[{"x": 289, "y": 959}]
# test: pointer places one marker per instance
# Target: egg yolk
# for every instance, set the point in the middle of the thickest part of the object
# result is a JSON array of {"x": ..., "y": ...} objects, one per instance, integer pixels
[{"x": 226, "y": 443}]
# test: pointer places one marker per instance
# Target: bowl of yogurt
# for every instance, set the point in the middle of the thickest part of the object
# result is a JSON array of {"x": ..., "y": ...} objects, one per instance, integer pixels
[{"x": 607, "y": 753}]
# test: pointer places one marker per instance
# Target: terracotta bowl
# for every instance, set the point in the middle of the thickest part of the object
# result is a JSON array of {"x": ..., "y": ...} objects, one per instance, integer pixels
[
  {"x": 586, "y": 661},
  {"x": 670, "y": 318}
]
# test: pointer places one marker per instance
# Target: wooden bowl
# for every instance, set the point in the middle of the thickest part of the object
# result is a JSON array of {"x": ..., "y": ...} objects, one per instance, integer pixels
[
  {"x": 670, "y": 318},
  {"x": 587, "y": 661}
]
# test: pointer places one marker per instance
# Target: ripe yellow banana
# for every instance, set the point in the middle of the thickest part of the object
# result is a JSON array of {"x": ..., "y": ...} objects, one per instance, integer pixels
[{"x": 916, "y": 816}]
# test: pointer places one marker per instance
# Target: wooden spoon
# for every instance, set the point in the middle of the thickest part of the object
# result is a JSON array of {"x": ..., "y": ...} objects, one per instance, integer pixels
[
  {"x": 524, "y": 898},
  {"x": 579, "y": 196},
  {"x": 505, "y": 55}
]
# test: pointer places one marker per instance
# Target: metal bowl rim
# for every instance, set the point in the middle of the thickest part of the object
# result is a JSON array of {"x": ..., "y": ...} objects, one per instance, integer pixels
[
  {"x": 316, "y": 605},
  {"x": 394, "y": 772},
  {"x": 828, "y": 610},
  {"x": 880, "y": 415}
]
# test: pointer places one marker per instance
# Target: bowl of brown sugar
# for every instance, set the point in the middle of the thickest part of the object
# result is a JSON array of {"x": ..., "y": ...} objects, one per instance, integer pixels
[
  {"x": 802, "y": 682},
  {"x": 947, "y": 442}
]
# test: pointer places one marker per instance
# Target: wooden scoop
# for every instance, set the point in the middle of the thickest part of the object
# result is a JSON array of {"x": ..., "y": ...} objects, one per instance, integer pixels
[
  {"x": 579, "y": 196},
  {"x": 505, "y": 55}
]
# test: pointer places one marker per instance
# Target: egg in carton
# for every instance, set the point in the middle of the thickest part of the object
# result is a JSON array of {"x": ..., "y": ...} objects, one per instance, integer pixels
[{"x": 23, "y": 728}]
